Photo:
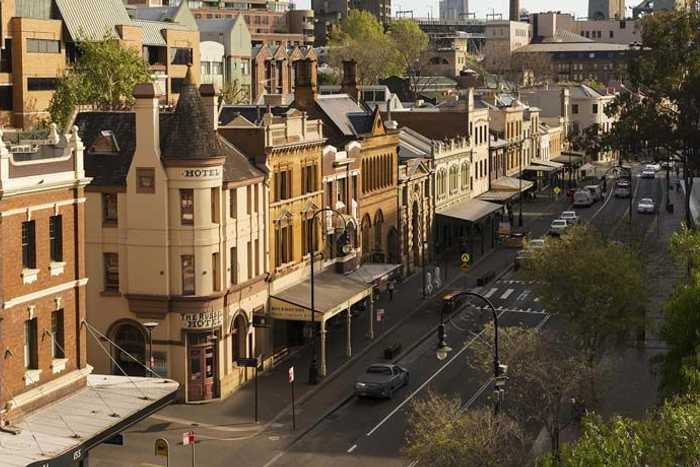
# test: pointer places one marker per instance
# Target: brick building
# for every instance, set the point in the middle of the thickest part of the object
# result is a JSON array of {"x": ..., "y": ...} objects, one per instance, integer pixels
[{"x": 42, "y": 325}]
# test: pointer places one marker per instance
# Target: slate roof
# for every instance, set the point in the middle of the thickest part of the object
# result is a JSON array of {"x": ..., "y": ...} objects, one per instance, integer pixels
[
  {"x": 250, "y": 112},
  {"x": 345, "y": 114}
]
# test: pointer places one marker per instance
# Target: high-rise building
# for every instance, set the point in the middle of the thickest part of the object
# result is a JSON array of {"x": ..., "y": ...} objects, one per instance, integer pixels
[
  {"x": 606, "y": 9},
  {"x": 454, "y": 9}
]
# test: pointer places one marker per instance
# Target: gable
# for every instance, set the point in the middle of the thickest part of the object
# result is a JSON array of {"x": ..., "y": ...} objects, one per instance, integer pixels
[{"x": 377, "y": 124}]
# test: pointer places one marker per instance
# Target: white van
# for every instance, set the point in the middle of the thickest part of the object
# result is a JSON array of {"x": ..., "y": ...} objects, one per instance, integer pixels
[
  {"x": 595, "y": 192},
  {"x": 583, "y": 198}
]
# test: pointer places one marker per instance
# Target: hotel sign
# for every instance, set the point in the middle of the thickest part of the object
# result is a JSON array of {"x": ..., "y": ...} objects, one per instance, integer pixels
[
  {"x": 203, "y": 320},
  {"x": 279, "y": 309},
  {"x": 200, "y": 173}
]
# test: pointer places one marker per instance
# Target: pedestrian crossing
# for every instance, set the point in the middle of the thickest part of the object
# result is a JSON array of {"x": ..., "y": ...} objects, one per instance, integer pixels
[{"x": 510, "y": 296}]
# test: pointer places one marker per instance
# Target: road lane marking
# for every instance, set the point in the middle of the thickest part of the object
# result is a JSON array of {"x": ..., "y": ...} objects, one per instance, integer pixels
[
  {"x": 491, "y": 292},
  {"x": 607, "y": 200},
  {"x": 274, "y": 459},
  {"x": 352, "y": 448},
  {"x": 427, "y": 381},
  {"x": 523, "y": 295},
  {"x": 507, "y": 293}
]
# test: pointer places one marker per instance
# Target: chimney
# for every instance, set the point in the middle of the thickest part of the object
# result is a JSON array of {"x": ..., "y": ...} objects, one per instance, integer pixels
[
  {"x": 349, "y": 84},
  {"x": 515, "y": 10},
  {"x": 210, "y": 99},
  {"x": 147, "y": 117},
  {"x": 305, "y": 84}
]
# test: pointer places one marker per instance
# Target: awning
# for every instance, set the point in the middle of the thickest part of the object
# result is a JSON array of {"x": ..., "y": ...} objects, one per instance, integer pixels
[
  {"x": 540, "y": 168},
  {"x": 333, "y": 293},
  {"x": 471, "y": 210},
  {"x": 553, "y": 164},
  {"x": 373, "y": 273},
  {"x": 83, "y": 413},
  {"x": 498, "y": 196},
  {"x": 511, "y": 184},
  {"x": 566, "y": 159}
]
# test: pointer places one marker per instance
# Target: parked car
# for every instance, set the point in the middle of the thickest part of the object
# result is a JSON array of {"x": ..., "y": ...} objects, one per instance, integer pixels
[
  {"x": 583, "y": 198},
  {"x": 570, "y": 217},
  {"x": 667, "y": 165},
  {"x": 536, "y": 243},
  {"x": 381, "y": 380},
  {"x": 558, "y": 227},
  {"x": 595, "y": 191},
  {"x": 648, "y": 173},
  {"x": 623, "y": 189},
  {"x": 655, "y": 166},
  {"x": 646, "y": 206},
  {"x": 526, "y": 253}
]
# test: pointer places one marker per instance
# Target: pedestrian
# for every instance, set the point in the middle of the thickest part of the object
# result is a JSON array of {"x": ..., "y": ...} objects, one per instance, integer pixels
[{"x": 391, "y": 290}]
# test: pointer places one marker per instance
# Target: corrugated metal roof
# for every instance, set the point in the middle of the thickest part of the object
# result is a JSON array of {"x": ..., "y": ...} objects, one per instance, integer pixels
[
  {"x": 152, "y": 30},
  {"x": 33, "y": 9},
  {"x": 591, "y": 47},
  {"x": 92, "y": 19}
]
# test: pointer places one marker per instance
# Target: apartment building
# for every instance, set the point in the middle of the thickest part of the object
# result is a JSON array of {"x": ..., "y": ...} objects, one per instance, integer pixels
[
  {"x": 606, "y": 9},
  {"x": 612, "y": 31},
  {"x": 43, "y": 302},
  {"x": 176, "y": 238},
  {"x": 328, "y": 13},
  {"x": 502, "y": 39}
]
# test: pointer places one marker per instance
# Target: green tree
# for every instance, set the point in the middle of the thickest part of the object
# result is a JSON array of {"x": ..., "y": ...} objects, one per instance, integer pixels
[
  {"x": 440, "y": 434},
  {"x": 685, "y": 247},
  {"x": 590, "y": 140},
  {"x": 544, "y": 374},
  {"x": 103, "y": 78},
  {"x": 596, "y": 285},
  {"x": 234, "y": 93},
  {"x": 410, "y": 44},
  {"x": 360, "y": 37},
  {"x": 667, "y": 437}
]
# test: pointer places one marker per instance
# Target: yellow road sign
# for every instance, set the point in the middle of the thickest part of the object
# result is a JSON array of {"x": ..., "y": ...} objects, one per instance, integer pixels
[
  {"x": 464, "y": 267},
  {"x": 557, "y": 190},
  {"x": 465, "y": 258}
]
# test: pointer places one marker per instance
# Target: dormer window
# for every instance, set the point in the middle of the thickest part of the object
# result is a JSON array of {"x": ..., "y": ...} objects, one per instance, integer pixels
[{"x": 145, "y": 180}]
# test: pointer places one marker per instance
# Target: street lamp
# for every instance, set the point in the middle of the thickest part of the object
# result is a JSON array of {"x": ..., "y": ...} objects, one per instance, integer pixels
[
  {"x": 150, "y": 326},
  {"x": 313, "y": 369},
  {"x": 520, "y": 188},
  {"x": 424, "y": 246},
  {"x": 499, "y": 371}
]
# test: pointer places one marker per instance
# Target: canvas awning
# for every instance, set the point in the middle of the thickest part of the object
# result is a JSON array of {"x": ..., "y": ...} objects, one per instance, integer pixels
[
  {"x": 511, "y": 184},
  {"x": 472, "y": 210},
  {"x": 333, "y": 293},
  {"x": 373, "y": 273},
  {"x": 553, "y": 164},
  {"x": 540, "y": 168},
  {"x": 568, "y": 159},
  {"x": 498, "y": 196}
]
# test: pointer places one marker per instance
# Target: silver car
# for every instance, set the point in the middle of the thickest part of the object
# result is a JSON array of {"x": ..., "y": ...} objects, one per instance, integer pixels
[
  {"x": 558, "y": 227},
  {"x": 646, "y": 206},
  {"x": 570, "y": 217},
  {"x": 648, "y": 173},
  {"x": 381, "y": 380}
]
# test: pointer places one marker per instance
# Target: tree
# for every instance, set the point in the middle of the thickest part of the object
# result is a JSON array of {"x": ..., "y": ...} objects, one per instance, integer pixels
[
  {"x": 360, "y": 36},
  {"x": 410, "y": 44},
  {"x": 590, "y": 140},
  {"x": 544, "y": 374},
  {"x": 234, "y": 93},
  {"x": 685, "y": 248},
  {"x": 440, "y": 434},
  {"x": 103, "y": 78},
  {"x": 667, "y": 437},
  {"x": 596, "y": 285}
]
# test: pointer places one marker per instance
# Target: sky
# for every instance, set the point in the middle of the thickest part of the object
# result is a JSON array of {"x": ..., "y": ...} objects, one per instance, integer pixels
[{"x": 423, "y": 8}]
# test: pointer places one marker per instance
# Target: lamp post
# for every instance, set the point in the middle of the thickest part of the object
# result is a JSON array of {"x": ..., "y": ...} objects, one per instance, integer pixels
[
  {"x": 520, "y": 188},
  {"x": 424, "y": 246},
  {"x": 150, "y": 326},
  {"x": 499, "y": 371},
  {"x": 313, "y": 369}
]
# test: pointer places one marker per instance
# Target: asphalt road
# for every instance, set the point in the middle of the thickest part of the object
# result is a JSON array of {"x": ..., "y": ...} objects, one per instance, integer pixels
[{"x": 370, "y": 432}]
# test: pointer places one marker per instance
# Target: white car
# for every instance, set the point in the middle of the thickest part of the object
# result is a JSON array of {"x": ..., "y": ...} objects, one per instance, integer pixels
[
  {"x": 558, "y": 227},
  {"x": 570, "y": 217},
  {"x": 646, "y": 206},
  {"x": 655, "y": 166},
  {"x": 648, "y": 173},
  {"x": 583, "y": 198},
  {"x": 536, "y": 243}
]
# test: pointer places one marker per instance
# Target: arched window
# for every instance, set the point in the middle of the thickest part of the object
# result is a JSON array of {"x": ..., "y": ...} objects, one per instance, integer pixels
[
  {"x": 453, "y": 178},
  {"x": 465, "y": 175},
  {"x": 239, "y": 332},
  {"x": 130, "y": 340},
  {"x": 366, "y": 226},
  {"x": 378, "y": 224}
]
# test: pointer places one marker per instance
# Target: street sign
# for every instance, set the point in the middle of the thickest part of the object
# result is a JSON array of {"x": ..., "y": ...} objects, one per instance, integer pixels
[
  {"x": 162, "y": 447},
  {"x": 188, "y": 438},
  {"x": 380, "y": 315},
  {"x": 291, "y": 374},
  {"x": 465, "y": 258},
  {"x": 464, "y": 267},
  {"x": 557, "y": 190}
]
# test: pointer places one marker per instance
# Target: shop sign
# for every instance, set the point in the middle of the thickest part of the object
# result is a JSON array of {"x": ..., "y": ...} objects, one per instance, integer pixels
[
  {"x": 200, "y": 173},
  {"x": 284, "y": 310},
  {"x": 203, "y": 320}
]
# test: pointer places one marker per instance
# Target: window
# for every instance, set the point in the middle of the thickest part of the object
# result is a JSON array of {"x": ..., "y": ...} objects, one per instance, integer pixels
[
  {"x": 283, "y": 184},
  {"x": 309, "y": 235},
  {"x": 574, "y": 108},
  {"x": 187, "y": 263},
  {"x": 215, "y": 205},
  {"x": 6, "y": 57},
  {"x": 612, "y": 34},
  {"x": 56, "y": 238},
  {"x": 249, "y": 259},
  {"x": 29, "y": 245},
  {"x": 283, "y": 242},
  {"x": 109, "y": 208},
  {"x": 111, "y": 265},
  {"x": 145, "y": 180},
  {"x": 256, "y": 198},
  {"x": 233, "y": 203},
  {"x": 5, "y": 96},
  {"x": 595, "y": 108},
  {"x": 257, "y": 257},
  {"x": 248, "y": 199},
  {"x": 187, "y": 206},
  {"x": 308, "y": 179},
  {"x": 216, "y": 280},
  {"x": 233, "y": 263},
  {"x": 44, "y": 46},
  {"x": 31, "y": 351},
  {"x": 180, "y": 56},
  {"x": 41, "y": 84},
  {"x": 57, "y": 335}
]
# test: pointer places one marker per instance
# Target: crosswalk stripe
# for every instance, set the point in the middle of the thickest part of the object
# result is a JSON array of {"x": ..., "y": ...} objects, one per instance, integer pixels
[
  {"x": 490, "y": 293},
  {"x": 507, "y": 293},
  {"x": 523, "y": 295}
]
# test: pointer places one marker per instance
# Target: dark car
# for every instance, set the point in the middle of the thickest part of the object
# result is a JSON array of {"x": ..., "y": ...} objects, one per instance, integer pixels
[{"x": 381, "y": 380}]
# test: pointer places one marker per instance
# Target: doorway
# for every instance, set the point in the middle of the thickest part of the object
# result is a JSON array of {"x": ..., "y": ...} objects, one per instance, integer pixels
[{"x": 202, "y": 367}]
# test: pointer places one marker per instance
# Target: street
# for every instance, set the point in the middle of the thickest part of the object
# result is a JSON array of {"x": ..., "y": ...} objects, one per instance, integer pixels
[{"x": 336, "y": 428}]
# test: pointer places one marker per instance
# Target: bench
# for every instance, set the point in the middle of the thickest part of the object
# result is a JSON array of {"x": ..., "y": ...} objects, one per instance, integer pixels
[{"x": 392, "y": 351}]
